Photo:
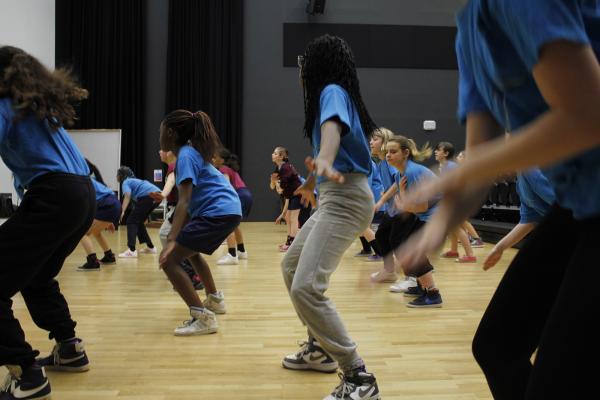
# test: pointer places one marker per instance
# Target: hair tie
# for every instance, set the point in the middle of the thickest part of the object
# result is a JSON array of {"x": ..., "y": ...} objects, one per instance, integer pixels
[{"x": 196, "y": 115}]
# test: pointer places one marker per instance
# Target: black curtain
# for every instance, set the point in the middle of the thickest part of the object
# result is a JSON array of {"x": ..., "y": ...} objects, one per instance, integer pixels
[
  {"x": 104, "y": 43},
  {"x": 204, "y": 63}
]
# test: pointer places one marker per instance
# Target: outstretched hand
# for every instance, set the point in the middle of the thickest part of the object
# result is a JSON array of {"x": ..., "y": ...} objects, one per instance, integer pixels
[{"x": 323, "y": 168}]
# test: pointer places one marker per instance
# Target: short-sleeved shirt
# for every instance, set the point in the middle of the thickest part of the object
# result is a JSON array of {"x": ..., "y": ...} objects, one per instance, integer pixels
[
  {"x": 138, "y": 188},
  {"x": 449, "y": 166},
  {"x": 289, "y": 180},
  {"x": 498, "y": 44},
  {"x": 416, "y": 173},
  {"x": 536, "y": 195},
  {"x": 30, "y": 148},
  {"x": 212, "y": 195},
  {"x": 102, "y": 191},
  {"x": 375, "y": 182},
  {"x": 234, "y": 177},
  {"x": 387, "y": 173},
  {"x": 353, "y": 154}
]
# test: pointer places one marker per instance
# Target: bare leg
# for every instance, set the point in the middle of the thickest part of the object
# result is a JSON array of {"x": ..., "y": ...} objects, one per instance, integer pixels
[
  {"x": 239, "y": 238},
  {"x": 369, "y": 235},
  {"x": 294, "y": 222},
  {"x": 464, "y": 240},
  {"x": 470, "y": 230},
  {"x": 427, "y": 280},
  {"x": 179, "y": 279},
  {"x": 102, "y": 241},
  {"x": 231, "y": 242},
  {"x": 87, "y": 244}
]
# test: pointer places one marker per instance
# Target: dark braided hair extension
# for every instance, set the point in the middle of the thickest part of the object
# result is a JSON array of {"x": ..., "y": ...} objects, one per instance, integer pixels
[
  {"x": 95, "y": 171},
  {"x": 328, "y": 59},
  {"x": 49, "y": 95},
  {"x": 195, "y": 128}
]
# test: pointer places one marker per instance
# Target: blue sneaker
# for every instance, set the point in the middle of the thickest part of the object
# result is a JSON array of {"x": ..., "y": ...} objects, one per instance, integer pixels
[
  {"x": 66, "y": 356},
  {"x": 415, "y": 291},
  {"x": 431, "y": 299},
  {"x": 31, "y": 384}
]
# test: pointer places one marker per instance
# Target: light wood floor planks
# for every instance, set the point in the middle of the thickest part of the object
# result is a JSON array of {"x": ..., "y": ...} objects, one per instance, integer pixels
[{"x": 126, "y": 314}]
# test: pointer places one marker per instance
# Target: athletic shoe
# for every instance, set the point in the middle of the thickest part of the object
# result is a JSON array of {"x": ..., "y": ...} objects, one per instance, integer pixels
[
  {"x": 384, "y": 276},
  {"x": 374, "y": 257},
  {"x": 215, "y": 303},
  {"x": 431, "y": 299},
  {"x": 363, "y": 253},
  {"x": 203, "y": 322},
  {"x": 197, "y": 282},
  {"x": 414, "y": 291},
  {"x": 31, "y": 384},
  {"x": 109, "y": 258},
  {"x": 477, "y": 243},
  {"x": 148, "y": 250},
  {"x": 450, "y": 254},
  {"x": 242, "y": 255},
  {"x": 67, "y": 356},
  {"x": 128, "y": 254},
  {"x": 404, "y": 285},
  {"x": 310, "y": 357},
  {"x": 466, "y": 259},
  {"x": 90, "y": 265},
  {"x": 362, "y": 386},
  {"x": 228, "y": 259}
]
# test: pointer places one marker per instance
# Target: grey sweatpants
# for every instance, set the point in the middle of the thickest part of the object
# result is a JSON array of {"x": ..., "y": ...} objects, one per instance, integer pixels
[{"x": 345, "y": 210}]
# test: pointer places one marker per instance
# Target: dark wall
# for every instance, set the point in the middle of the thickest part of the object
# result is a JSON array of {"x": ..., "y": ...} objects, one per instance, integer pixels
[{"x": 400, "y": 99}]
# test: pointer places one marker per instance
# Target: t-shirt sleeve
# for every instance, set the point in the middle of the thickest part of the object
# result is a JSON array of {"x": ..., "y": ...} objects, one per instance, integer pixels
[
  {"x": 186, "y": 170},
  {"x": 529, "y": 214},
  {"x": 126, "y": 186},
  {"x": 469, "y": 98},
  {"x": 531, "y": 24},
  {"x": 3, "y": 127},
  {"x": 334, "y": 105}
]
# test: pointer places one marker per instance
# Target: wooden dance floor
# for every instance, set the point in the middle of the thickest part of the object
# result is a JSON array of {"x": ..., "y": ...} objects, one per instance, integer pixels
[{"x": 126, "y": 314}]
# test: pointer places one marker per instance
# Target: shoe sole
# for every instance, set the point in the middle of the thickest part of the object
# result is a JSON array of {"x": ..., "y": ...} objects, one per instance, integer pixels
[
  {"x": 218, "y": 312},
  {"x": 108, "y": 263},
  {"x": 63, "y": 368},
  {"x": 206, "y": 332},
  {"x": 87, "y": 269},
  {"x": 425, "y": 306},
  {"x": 306, "y": 367},
  {"x": 398, "y": 290},
  {"x": 385, "y": 281},
  {"x": 412, "y": 295},
  {"x": 227, "y": 263}
]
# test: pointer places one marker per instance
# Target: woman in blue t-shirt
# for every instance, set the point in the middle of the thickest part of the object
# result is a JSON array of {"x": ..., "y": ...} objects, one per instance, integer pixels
[
  {"x": 338, "y": 124},
  {"x": 108, "y": 212},
  {"x": 139, "y": 191},
  {"x": 531, "y": 68},
  {"x": 56, "y": 210},
  {"x": 208, "y": 211}
]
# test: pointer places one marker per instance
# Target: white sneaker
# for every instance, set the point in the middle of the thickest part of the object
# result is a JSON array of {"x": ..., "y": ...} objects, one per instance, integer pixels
[
  {"x": 148, "y": 250},
  {"x": 216, "y": 303},
  {"x": 404, "y": 285},
  {"x": 310, "y": 357},
  {"x": 228, "y": 259},
  {"x": 203, "y": 322},
  {"x": 128, "y": 254},
  {"x": 242, "y": 255},
  {"x": 384, "y": 276}
]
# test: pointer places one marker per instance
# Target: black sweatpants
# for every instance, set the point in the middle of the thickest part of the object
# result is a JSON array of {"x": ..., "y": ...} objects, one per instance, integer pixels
[
  {"x": 545, "y": 301},
  {"x": 136, "y": 219},
  {"x": 55, "y": 213}
]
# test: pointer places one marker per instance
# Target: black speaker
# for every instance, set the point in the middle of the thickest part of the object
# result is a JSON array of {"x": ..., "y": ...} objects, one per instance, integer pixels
[{"x": 315, "y": 7}]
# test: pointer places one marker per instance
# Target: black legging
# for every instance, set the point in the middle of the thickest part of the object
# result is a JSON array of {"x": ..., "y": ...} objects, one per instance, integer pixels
[
  {"x": 135, "y": 222},
  {"x": 545, "y": 301}
]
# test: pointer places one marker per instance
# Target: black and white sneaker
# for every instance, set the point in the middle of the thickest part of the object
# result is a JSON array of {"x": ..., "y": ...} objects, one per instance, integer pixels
[
  {"x": 362, "y": 386},
  {"x": 310, "y": 357},
  {"x": 31, "y": 384},
  {"x": 67, "y": 356}
]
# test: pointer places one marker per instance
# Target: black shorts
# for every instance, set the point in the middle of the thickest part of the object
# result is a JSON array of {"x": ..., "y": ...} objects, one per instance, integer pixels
[
  {"x": 108, "y": 209},
  {"x": 246, "y": 201},
  {"x": 205, "y": 234},
  {"x": 295, "y": 203}
]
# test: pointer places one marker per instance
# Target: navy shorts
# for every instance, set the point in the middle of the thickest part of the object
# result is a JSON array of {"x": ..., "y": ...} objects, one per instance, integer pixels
[
  {"x": 246, "y": 201},
  {"x": 205, "y": 234},
  {"x": 295, "y": 203},
  {"x": 108, "y": 209}
]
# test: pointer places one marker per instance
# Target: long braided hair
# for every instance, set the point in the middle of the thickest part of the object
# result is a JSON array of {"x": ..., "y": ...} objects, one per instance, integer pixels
[
  {"x": 195, "y": 128},
  {"x": 328, "y": 59}
]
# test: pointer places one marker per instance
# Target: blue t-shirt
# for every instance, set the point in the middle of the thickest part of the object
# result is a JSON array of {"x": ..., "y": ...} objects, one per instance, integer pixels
[
  {"x": 536, "y": 195},
  {"x": 138, "y": 188},
  {"x": 30, "y": 148},
  {"x": 449, "y": 166},
  {"x": 102, "y": 191},
  {"x": 387, "y": 173},
  {"x": 414, "y": 174},
  {"x": 497, "y": 46},
  {"x": 353, "y": 155},
  {"x": 375, "y": 182},
  {"x": 212, "y": 195}
]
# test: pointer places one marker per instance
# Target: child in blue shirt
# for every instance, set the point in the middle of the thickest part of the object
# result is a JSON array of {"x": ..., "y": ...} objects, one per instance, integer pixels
[
  {"x": 108, "y": 212},
  {"x": 531, "y": 68},
  {"x": 337, "y": 124},
  {"x": 139, "y": 191},
  {"x": 208, "y": 211},
  {"x": 56, "y": 210}
]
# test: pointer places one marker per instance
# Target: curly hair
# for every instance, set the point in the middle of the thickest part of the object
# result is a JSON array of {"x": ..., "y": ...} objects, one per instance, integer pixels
[
  {"x": 49, "y": 95},
  {"x": 195, "y": 128},
  {"x": 231, "y": 160},
  {"x": 328, "y": 59}
]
